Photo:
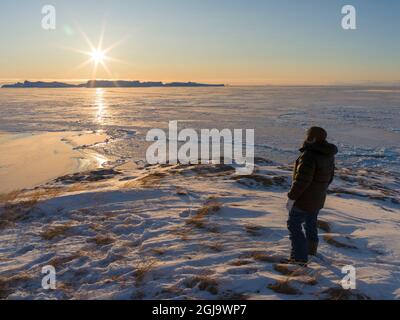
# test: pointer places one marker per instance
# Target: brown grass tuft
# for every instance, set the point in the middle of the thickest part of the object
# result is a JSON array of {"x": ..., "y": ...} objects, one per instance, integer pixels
[
  {"x": 18, "y": 204},
  {"x": 209, "y": 207},
  {"x": 101, "y": 240},
  {"x": 78, "y": 187},
  {"x": 325, "y": 226},
  {"x": 181, "y": 192},
  {"x": 298, "y": 273},
  {"x": 215, "y": 246},
  {"x": 9, "y": 197},
  {"x": 239, "y": 263},
  {"x": 4, "y": 289},
  {"x": 58, "y": 262},
  {"x": 55, "y": 231},
  {"x": 159, "y": 251},
  {"x": 308, "y": 280},
  {"x": 172, "y": 290},
  {"x": 253, "y": 230},
  {"x": 149, "y": 181},
  {"x": 204, "y": 283},
  {"x": 341, "y": 294},
  {"x": 96, "y": 227},
  {"x": 46, "y": 193},
  {"x": 8, "y": 284},
  {"x": 211, "y": 198},
  {"x": 143, "y": 269},
  {"x": 288, "y": 271},
  {"x": 14, "y": 211},
  {"x": 284, "y": 287},
  {"x": 198, "y": 220},
  {"x": 260, "y": 180},
  {"x": 336, "y": 243},
  {"x": 213, "y": 229},
  {"x": 234, "y": 296},
  {"x": 264, "y": 257}
]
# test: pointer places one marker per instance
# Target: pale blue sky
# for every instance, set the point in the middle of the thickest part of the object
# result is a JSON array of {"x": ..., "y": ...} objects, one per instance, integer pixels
[{"x": 230, "y": 41}]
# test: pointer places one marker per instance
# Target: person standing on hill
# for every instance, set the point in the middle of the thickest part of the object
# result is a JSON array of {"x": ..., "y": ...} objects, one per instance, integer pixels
[{"x": 313, "y": 173}]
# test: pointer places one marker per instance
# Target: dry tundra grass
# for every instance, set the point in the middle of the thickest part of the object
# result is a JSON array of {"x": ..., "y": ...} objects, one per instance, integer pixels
[
  {"x": 204, "y": 283},
  {"x": 298, "y": 273},
  {"x": 159, "y": 251},
  {"x": 233, "y": 296},
  {"x": 253, "y": 230},
  {"x": 239, "y": 263},
  {"x": 283, "y": 287},
  {"x": 286, "y": 270},
  {"x": 330, "y": 239},
  {"x": 142, "y": 269},
  {"x": 55, "y": 231},
  {"x": 14, "y": 209},
  {"x": 265, "y": 181},
  {"x": 172, "y": 290},
  {"x": 8, "y": 284},
  {"x": 264, "y": 257},
  {"x": 325, "y": 226},
  {"x": 214, "y": 246},
  {"x": 198, "y": 220},
  {"x": 105, "y": 240},
  {"x": 17, "y": 204},
  {"x": 9, "y": 197},
  {"x": 341, "y": 294},
  {"x": 58, "y": 262},
  {"x": 209, "y": 207},
  {"x": 181, "y": 191},
  {"x": 149, "y": 181}
]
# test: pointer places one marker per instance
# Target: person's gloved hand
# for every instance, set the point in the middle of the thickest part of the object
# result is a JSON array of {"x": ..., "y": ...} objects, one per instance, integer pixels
[{"x": 290, "y": 204}]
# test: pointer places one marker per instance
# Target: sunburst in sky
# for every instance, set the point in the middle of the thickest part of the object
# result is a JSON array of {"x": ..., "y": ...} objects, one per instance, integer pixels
[{"x": 98, "y": 55}]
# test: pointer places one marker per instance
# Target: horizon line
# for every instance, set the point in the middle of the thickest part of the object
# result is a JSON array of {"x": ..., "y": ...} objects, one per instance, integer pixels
[{"x": 226, "y": 83}]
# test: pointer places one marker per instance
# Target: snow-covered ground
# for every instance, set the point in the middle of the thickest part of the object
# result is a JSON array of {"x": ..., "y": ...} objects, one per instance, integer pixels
[{"x": 196, "y": 232}]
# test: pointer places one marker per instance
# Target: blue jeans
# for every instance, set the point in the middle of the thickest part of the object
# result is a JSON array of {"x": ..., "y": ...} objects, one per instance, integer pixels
[{"x": 299, "y": 239}]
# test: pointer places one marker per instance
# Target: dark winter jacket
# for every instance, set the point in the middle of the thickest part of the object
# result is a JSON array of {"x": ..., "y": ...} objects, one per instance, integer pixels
[{"x": 313, "y": 173}]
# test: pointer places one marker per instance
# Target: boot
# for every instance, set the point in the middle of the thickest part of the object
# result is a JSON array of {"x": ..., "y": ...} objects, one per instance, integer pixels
[
  {"x": 312, "y": 248},
  {"x": 294, "y": 262}
]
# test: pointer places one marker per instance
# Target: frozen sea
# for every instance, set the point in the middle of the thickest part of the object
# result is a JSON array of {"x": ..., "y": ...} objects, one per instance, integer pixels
[{"x": 363, "y": 121}]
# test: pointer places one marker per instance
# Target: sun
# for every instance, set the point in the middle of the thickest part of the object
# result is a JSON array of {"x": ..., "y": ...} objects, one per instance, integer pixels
[{"x": 98, "y": 56}]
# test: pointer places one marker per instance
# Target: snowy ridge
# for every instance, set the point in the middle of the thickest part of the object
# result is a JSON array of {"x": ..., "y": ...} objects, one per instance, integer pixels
[{"x": 195, "y": 232}]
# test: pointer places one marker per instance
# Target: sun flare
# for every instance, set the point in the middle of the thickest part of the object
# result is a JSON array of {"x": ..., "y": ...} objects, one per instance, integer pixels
[{"x": 98, "y": 56}]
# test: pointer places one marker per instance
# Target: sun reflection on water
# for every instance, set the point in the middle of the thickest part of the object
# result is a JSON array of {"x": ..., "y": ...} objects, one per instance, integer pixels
[{"x": 101, "y": 106}]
